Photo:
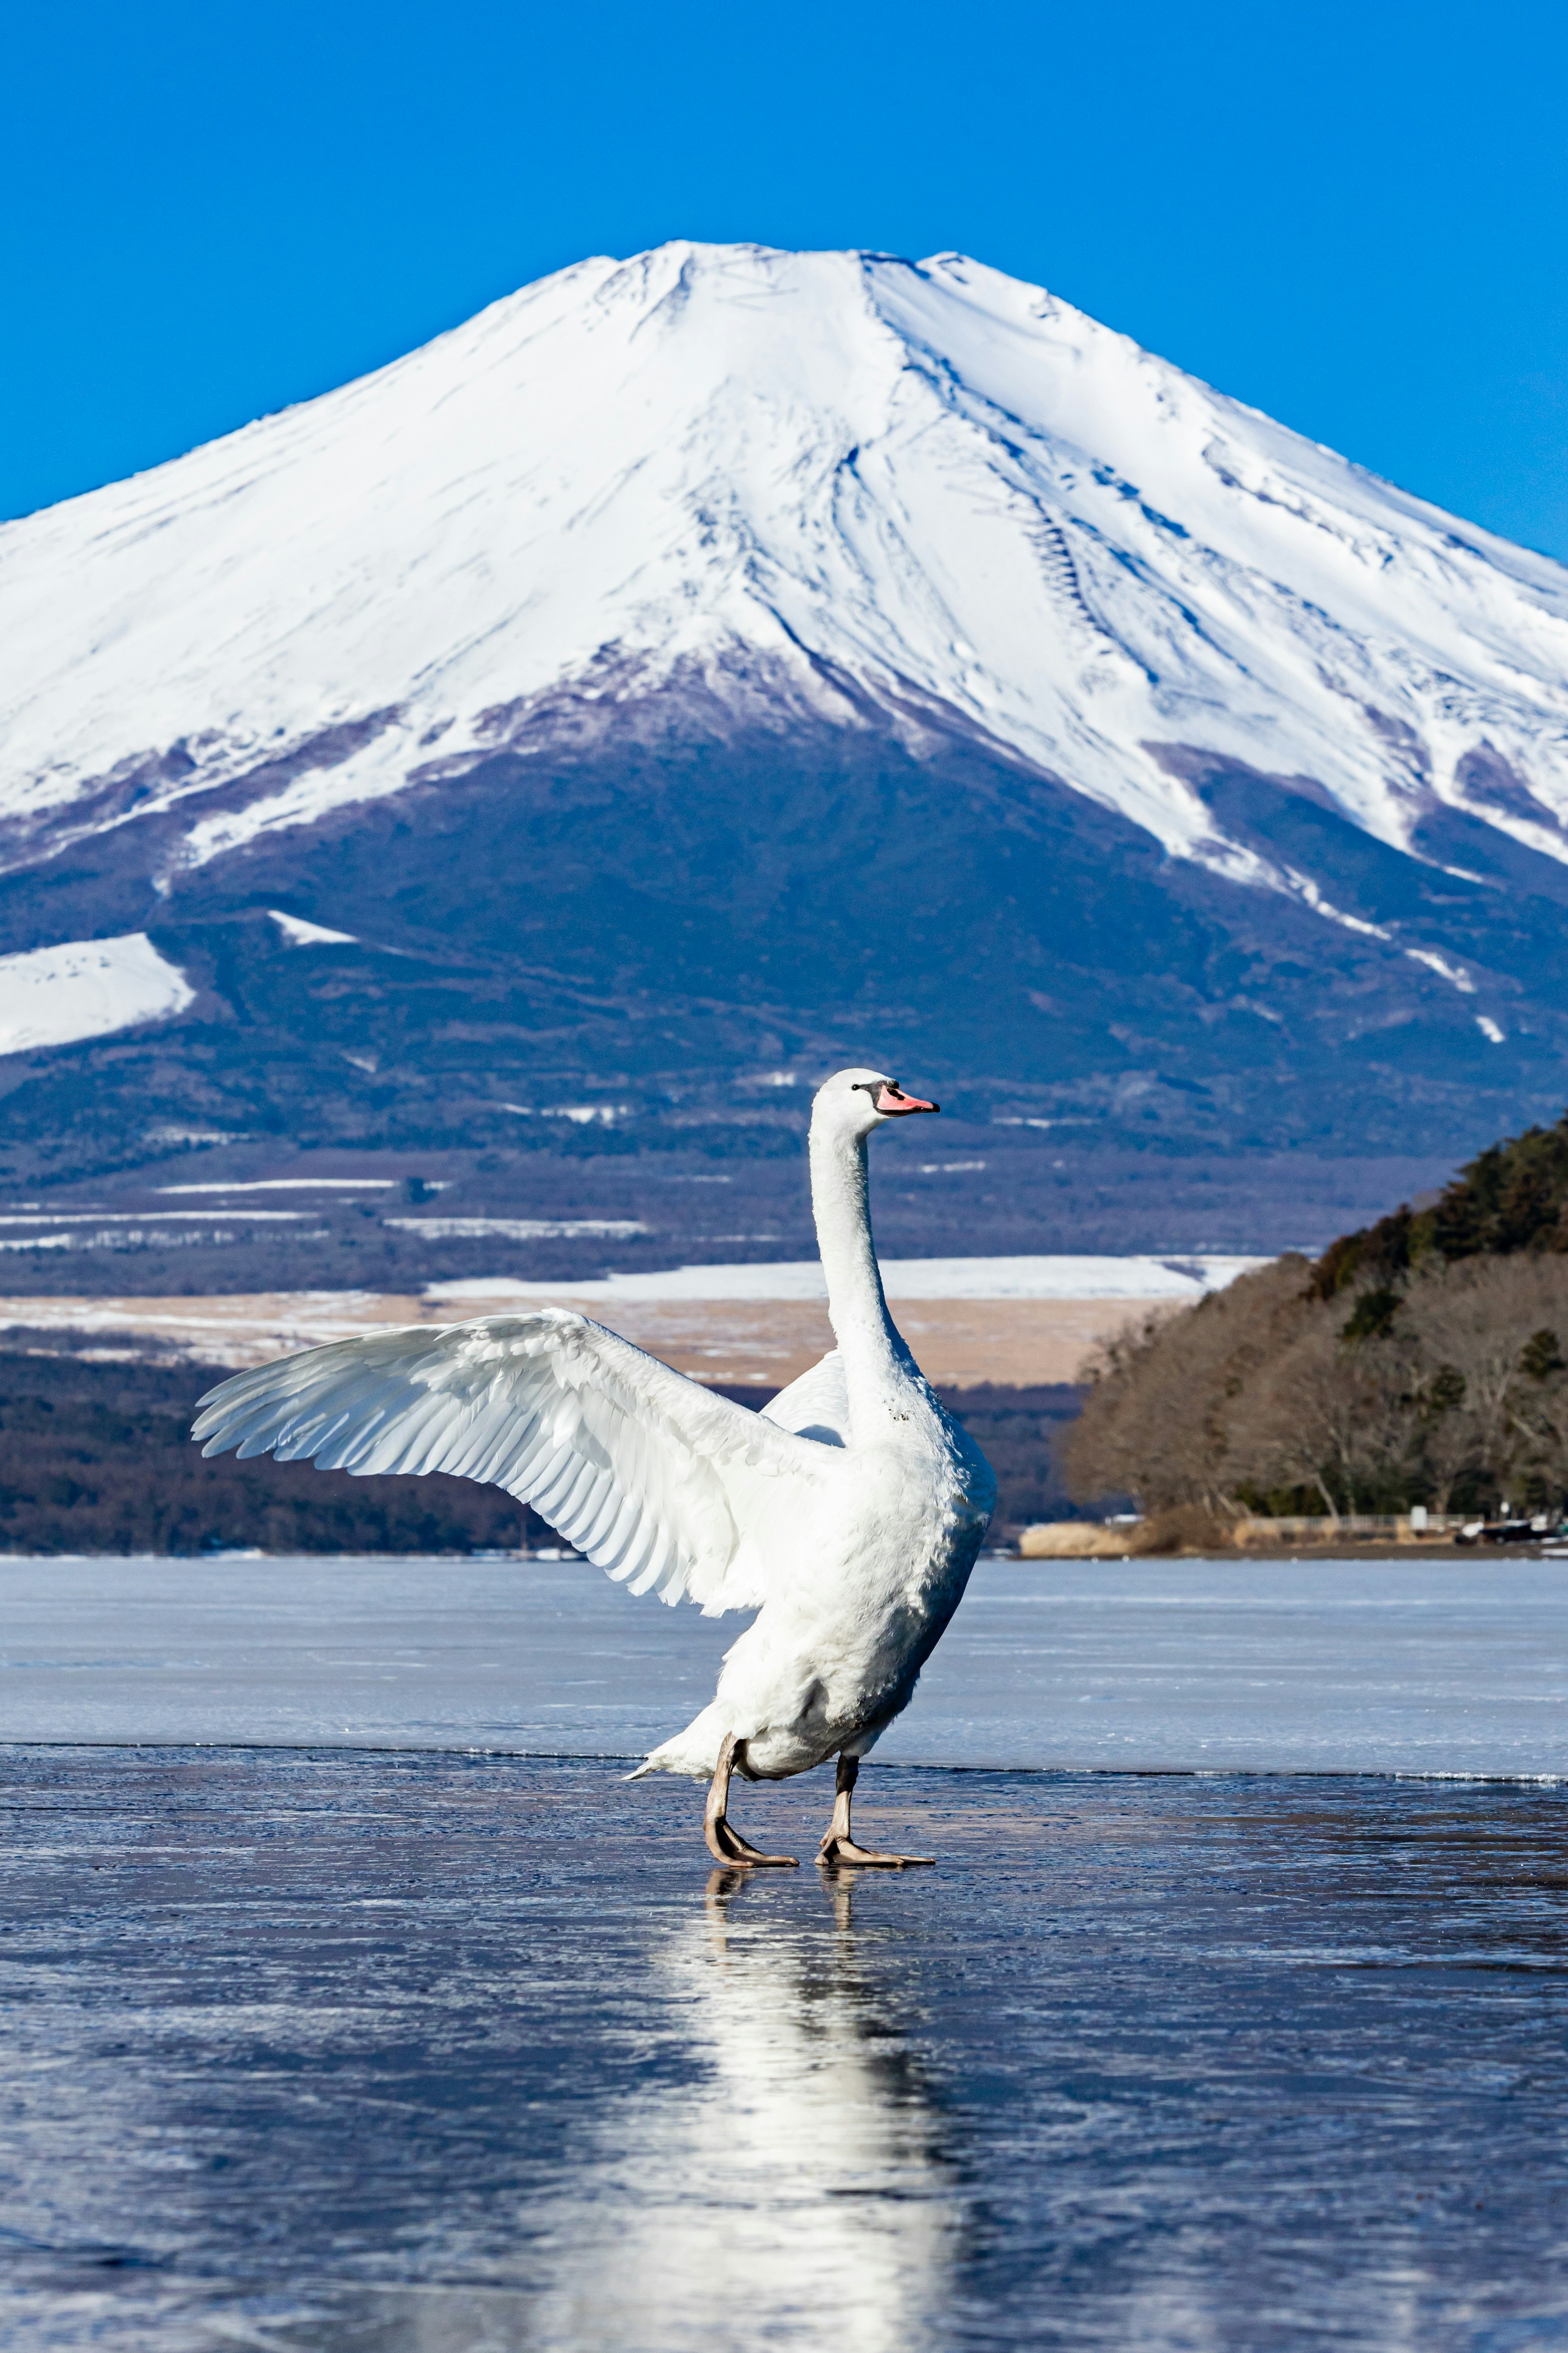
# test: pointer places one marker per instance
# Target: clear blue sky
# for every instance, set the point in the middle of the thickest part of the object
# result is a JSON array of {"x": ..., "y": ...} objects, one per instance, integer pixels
[{"x": 1353, "y": 216}]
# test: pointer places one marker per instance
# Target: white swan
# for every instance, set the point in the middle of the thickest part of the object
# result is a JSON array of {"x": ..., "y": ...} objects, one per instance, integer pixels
[{"x": 847, "y": 1514}]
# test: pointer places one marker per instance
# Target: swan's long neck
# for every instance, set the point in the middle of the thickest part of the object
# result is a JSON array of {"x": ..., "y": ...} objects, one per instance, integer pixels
[{"x": 877, "y": 1364}]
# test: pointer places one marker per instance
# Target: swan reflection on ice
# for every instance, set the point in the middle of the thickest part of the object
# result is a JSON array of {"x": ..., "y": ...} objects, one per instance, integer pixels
[{"x": 800, "y": 2174}]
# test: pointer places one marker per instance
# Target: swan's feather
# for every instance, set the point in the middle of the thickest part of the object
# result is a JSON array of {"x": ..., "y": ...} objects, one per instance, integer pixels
[
  {"x": 816, "y": 1406},
  {"x": 658, "y": 1479}
]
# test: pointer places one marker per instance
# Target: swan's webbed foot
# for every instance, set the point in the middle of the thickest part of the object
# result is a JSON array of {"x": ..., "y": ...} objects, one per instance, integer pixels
[
  {"x": 837, "y": 1849},
  {"x": 725, "y": 1843},
  {"x": 732, "y": 1848},
  {"x": 838, "y": 1845}
]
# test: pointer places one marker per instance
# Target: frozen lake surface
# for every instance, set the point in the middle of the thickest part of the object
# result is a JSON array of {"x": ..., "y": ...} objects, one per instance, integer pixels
[
  {"x": 336, "y": 2036},
  {"x": 1399, "y": 1666},
  {"x": 375, "y": 2053}
]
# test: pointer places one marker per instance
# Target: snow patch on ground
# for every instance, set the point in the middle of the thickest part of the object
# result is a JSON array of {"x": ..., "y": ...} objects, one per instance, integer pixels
[
  {"x": 1450, "y": 972},
  {"x": 298, "y": 1184},
  {"x": 86, "y": 988},
  {"x": 301, "y": 934},
  {"x": 519, "y": 1229}
]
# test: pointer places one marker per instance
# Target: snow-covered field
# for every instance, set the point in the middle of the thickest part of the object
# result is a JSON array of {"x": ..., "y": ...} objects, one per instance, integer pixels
[
  {"x": 1020, "y": 1320},
  {"x": 1425, "y": 1667},
  {"x": 1132, "y": 1278}
]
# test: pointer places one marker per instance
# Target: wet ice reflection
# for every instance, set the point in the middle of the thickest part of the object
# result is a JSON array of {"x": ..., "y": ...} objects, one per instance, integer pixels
[
  {"x": 798, "y": 2173},
  {"x": 413, "y": 2054}
]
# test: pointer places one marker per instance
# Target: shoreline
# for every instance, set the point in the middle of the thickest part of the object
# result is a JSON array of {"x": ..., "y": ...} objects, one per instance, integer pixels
[{"x": 1321, "y": 1555}]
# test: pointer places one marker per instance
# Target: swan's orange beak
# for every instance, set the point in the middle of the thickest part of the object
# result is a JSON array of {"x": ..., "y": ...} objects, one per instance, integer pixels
[{"x": 892, "y": 1101}]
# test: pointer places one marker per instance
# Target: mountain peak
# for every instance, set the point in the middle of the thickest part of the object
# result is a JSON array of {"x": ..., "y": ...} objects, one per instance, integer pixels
[
  {"x": 730, "y": 652},
  {"x": 929, "y": 477}
]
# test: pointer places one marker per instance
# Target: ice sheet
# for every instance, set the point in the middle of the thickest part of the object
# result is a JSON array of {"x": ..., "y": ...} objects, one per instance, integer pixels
[
  {"x": 1418, "y": 1667},
  {"x": 314, "y": 2052}
]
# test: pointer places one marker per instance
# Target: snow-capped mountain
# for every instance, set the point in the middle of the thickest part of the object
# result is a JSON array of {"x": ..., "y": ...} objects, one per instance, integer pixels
[
  {"x": 618, "y": 642},
  {"x": 932, "y": 482}
]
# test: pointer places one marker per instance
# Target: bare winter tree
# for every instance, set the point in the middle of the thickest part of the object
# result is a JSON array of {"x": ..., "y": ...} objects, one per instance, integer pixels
[
  {"x": 1165, "y": 1397},
  {"x": 1330, "y": 1416},
  {"x": 1489, "y": 1333}
]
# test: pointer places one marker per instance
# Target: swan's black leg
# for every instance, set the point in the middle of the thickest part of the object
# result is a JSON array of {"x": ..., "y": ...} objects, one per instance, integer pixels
[
  {"x": 725, "y": 1844},
  {"x": 838, "y": 1846}
]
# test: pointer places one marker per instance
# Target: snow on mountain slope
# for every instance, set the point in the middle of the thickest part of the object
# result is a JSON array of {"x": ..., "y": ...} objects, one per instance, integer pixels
[
  {"x": 86, "y": 988},
  {"x": 927, "y": 489},
  {"x": 300, "y": 934}
]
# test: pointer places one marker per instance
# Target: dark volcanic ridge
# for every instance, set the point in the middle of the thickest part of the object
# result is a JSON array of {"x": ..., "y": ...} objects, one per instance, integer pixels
[{"x": 672, "y": 934}]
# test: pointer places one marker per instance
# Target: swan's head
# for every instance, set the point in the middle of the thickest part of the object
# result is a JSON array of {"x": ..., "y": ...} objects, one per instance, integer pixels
[{"x": 854, "y": 1102}]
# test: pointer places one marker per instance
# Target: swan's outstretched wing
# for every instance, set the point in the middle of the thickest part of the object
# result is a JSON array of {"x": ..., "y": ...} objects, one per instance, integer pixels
[
  {"x": 664, "y": 1484},
  {"x": 816, "y": 1406}
]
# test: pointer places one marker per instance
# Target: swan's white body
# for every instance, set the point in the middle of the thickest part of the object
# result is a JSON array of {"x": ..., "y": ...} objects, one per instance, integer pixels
[{"x": 849, "y": 1515}]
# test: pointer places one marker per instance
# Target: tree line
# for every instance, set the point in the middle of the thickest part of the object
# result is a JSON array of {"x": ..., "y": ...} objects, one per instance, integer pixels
[
  {"x": 96, "y": 1457},
  {"x": 1420, "y": 1360}
]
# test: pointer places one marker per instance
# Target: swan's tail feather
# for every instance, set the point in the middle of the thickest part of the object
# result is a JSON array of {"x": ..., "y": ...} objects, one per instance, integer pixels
[{"x": 694, "y": 1751}]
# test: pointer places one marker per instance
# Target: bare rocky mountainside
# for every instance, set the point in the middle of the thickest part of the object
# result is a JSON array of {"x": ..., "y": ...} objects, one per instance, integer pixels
[{"x": 527, "y": 769}]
